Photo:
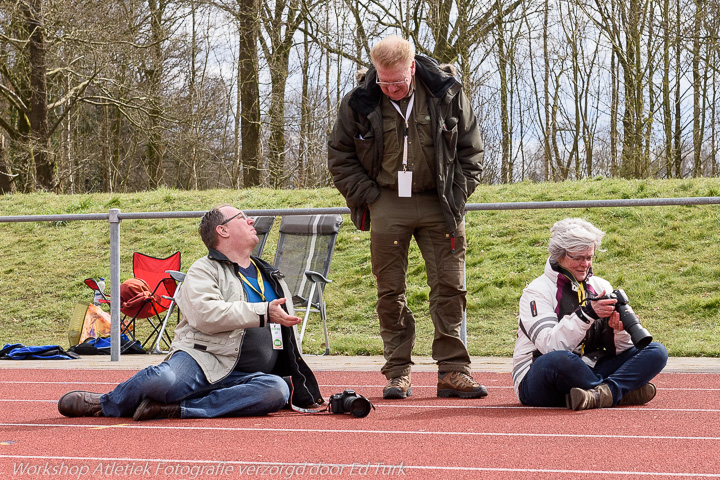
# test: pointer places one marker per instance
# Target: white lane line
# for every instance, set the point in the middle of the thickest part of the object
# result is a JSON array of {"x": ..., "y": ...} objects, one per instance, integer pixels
[{"x": 175, "y": 426}]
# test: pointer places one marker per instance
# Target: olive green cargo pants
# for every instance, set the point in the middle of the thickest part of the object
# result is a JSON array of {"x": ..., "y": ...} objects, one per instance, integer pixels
[{"x": 394, "y": 222}]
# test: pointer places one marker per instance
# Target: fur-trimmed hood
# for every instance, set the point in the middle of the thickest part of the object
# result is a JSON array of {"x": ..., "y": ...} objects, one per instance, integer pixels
[
  {"x": 438, "y": 78},
  {"x": 445, "y": 67}
]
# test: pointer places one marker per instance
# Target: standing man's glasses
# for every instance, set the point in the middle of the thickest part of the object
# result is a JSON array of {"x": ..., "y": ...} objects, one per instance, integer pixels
[
  {"x": 241, "y": 214},
  {"x": 392, "y": 84}
]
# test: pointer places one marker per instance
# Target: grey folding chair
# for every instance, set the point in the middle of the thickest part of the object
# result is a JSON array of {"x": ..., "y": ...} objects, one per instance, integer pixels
[
  {"x": 262, "y": 227},
  {"x": 304, "y": 252}
]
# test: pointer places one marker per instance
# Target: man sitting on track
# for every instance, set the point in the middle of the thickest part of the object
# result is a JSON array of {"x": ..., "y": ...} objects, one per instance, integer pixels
[
  {"x": 234, "y": 350},
  {"x": 572, "y": 350}
]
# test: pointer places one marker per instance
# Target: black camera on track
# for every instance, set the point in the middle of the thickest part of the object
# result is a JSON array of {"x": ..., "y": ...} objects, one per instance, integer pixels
[
  {"x": 350, "y": 402},
  {"x": 639, "y": 336}
]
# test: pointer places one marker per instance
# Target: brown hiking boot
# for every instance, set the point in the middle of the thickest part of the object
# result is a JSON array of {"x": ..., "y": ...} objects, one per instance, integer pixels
[
  {"x": 598, "y": 397},
  {"x": 398, "y": 387},
  {"x": 639, "y": 396},
  {"x": 458, "y": 384},
  {"x": 149, "y": 409},
  {"x": 79, "y": 403}
]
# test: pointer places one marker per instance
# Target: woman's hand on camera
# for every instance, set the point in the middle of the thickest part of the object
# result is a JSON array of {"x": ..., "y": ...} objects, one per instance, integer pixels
[
  {"x": 605, "y": 307},
  {"x": 614, "y": 321}
]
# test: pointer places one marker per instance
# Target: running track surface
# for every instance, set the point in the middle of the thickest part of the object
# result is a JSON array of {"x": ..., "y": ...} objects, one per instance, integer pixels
[{"x": 677, "y": 435}]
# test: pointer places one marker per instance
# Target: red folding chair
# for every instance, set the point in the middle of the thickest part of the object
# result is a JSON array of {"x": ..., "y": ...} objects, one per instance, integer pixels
[{"x": 149, "y": 301}]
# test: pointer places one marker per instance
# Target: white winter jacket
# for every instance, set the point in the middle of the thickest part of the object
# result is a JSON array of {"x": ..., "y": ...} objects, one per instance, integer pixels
[{"x": 541, "y": 330}]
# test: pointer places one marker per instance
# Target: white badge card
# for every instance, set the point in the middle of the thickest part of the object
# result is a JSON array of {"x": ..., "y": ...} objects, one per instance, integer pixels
[
  {"x": 404, "y": 184},
  {"x": 276, "y": 336}
]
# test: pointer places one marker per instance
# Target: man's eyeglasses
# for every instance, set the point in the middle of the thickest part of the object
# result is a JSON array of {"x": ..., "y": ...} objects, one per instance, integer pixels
[
  {"x": 580, "y": 258},
  {"x": 392, "y": 84},
  {"x": 241, "y": 214}
]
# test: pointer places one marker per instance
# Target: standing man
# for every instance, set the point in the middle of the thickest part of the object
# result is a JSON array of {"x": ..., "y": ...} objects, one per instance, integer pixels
[
  {"x": 406, "y": 152},
  {"x": 234, "y": 351}
]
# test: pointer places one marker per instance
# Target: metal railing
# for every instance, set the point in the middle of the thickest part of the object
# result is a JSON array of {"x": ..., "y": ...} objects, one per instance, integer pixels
[{"x": 115, "y": 216}]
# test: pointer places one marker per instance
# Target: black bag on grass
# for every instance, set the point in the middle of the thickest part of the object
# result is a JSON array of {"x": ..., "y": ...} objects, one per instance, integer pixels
[{"x": 101, "y": 346}]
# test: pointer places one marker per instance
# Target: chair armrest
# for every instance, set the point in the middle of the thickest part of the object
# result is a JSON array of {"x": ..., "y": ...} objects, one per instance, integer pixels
[
  {"x": 316, "y": 277},
  {"x": 177, "y": 276}
]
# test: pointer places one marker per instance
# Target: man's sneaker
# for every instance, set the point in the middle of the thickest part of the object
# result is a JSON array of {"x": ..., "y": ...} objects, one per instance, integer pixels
[
  {"x": 458, "y": 384},
  {"x": 639, "y": 396},
  {"x": 398, "y": 387},
  {"x": 598, "y": 397}
]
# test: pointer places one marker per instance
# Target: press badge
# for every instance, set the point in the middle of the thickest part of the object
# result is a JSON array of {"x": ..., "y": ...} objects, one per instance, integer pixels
[
  {"x": 404, "y": 184},
  {"x": 276, "y": 336}
]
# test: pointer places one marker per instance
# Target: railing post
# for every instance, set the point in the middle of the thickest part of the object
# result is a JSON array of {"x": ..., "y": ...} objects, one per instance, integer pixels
[{"x": 114, "y": 220}]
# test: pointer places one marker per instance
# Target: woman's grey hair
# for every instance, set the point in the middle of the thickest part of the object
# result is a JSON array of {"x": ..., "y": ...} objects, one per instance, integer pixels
[{"x": 573, "y": 235}]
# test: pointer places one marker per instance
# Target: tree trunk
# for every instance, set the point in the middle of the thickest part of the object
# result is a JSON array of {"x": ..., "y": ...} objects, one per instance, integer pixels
[
  {"x": 506, "y": 167},
  {"x": 547, "y": 150},
  {"x": 697, "y": 82},
  {"x": 248, "y": 84},
  {"x": 677, "y": 136},
  {"x": 40, "y": 144},
  {"x": 155, "y": 147},
  {"x": 667, "y": 99},
  {"x": 276, "y": 115}
]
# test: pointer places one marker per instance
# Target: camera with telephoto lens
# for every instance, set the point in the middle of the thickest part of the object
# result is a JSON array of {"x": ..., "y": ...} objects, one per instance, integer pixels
[
  {"x": 639, "y": 336},
  {"x": 350, "y": 402}
]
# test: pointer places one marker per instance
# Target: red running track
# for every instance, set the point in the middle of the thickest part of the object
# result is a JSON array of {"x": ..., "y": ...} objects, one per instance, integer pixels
[{"x": 677, "y": 435}]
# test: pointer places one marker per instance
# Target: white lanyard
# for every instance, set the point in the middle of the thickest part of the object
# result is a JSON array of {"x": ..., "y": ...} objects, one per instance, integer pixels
[{"x": 405, "y": 117}]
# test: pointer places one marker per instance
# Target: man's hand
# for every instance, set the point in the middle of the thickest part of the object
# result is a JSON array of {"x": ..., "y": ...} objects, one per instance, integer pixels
[{"x": 278, "y": 315}]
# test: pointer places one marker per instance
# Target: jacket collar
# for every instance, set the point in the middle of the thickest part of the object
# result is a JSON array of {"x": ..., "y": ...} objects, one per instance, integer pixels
[
  {"x": 554, "y": 270},
  {"x": 217, "y": 256}
]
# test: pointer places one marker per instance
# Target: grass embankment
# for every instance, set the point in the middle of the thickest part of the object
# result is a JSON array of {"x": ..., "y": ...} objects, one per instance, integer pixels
[{"x": 664, "y": 258}]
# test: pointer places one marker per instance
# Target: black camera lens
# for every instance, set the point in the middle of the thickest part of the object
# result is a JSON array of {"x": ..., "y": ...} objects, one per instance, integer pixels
[
  {"x": 357, "y": 405},
  {"x": 350, "y": 402},
  {"x": 640, "y": 337}
]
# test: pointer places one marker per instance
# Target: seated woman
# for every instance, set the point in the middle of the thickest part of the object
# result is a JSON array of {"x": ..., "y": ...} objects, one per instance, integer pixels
[{"x": 571, "y": 348}]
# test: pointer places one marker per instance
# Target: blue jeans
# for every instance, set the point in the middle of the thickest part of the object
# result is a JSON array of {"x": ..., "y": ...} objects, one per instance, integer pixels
[
  {"x": 180, "y": 379},
  {"x": 552, "y": 375}
]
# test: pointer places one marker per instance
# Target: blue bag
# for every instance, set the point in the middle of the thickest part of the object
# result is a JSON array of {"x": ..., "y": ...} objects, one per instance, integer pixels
[{"x": 18, "y": 351}]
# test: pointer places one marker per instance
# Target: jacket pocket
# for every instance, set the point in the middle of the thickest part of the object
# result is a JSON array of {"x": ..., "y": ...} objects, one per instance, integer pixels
[
  {"x": 450, "y": 139},
  {"x": 391, "y": 144},
  {"x": 364, "y": 147}
]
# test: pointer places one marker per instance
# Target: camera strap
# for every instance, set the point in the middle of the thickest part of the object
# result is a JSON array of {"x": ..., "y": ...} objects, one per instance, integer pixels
[{"x": 308, "y": 410}]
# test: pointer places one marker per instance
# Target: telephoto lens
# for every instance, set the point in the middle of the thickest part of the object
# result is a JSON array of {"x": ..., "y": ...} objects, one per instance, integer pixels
[{"x": 640, "y": 337}]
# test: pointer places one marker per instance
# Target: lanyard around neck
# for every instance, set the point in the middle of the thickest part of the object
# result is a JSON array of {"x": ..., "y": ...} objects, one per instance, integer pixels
[
  {"x": 407, "y": 126},
  {"x": 261, "y": 283}
]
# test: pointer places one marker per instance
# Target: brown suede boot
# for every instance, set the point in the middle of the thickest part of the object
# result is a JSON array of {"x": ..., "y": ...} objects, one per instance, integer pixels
[
  {"x": 398, "y": 387},
  {"x": 150, "y": 409},
  {"x": 639, "y": 396},
  {"x": 458, "y": 384},
  {"x": 598, "y": 397},
  {"x": 79, "y": 403}
]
